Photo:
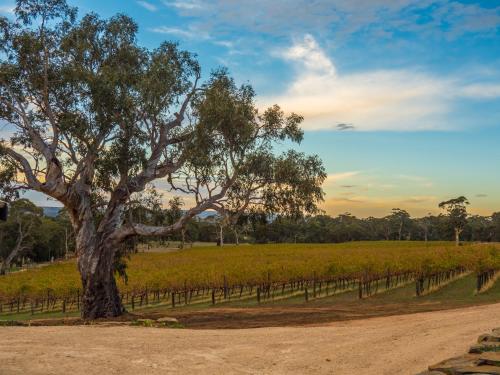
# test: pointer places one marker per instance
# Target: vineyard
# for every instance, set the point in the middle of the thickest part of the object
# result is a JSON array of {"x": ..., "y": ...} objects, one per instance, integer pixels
[{"x": 211, "y": 275}]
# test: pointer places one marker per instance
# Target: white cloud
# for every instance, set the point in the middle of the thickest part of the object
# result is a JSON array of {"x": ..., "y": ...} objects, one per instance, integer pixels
[
  {"x": 224, "y": 43},
  {"x": 193, "y": 32},
  {"x": 336, "y": 177},
  {"x": 403, "y": 99},
  {"x": 482, "y": 91},
  {"x": 7, "y": 9},
  {"x": 421, "y": 199},
  {"x": 189, "y": 33},
  {"x": 184, "y": 5},
  {"x": 148, "y": 6},
  {"x": 364, "y": 206},
  {"x": 339, "y": 18},
  {"x": 308, "y": 53},
  {"x": 418, "y": 180}
]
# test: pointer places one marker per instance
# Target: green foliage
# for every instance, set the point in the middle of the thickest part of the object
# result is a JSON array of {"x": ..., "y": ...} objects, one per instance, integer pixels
[
  {"x": 44, "y": 237},
  {"x": 457, "y": 214},
  {"x": 24, "y": 217},
  {"x": 8, "y": 189}
]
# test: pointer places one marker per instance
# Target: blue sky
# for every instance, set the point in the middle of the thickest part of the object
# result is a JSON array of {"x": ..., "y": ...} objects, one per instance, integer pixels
[{"x": 417, "y": 81}]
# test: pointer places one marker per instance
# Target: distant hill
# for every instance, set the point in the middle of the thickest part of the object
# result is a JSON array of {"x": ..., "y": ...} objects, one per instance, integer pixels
[
  {"x": 51, "y": 211},
  {"x": 206, "y": 214}
]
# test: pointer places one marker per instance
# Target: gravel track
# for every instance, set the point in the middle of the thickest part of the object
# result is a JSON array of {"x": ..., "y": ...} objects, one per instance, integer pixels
[{"x": 404, "y": 344}]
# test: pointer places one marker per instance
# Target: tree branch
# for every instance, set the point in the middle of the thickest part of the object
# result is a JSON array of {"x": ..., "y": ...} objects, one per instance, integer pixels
[
  {"x": 24, "y": 165},
  {"x": 147, "y": 230}
]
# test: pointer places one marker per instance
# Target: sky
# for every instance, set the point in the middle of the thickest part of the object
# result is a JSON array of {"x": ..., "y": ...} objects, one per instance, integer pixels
[{"x": 401, "y": 98}]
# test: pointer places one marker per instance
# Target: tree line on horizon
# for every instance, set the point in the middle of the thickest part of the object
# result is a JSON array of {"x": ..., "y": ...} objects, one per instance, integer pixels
[
  {"x": 29, "y": 236},
  {"x": 452, "y": 224}
]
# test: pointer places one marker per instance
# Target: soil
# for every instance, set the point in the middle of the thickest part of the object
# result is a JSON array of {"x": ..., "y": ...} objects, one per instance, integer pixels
[
  {"x": 401, "y": 344},
  {"x": 291, "y": 315}
]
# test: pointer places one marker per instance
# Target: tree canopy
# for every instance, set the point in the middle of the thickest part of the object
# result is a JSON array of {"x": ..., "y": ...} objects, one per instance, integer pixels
[
  {"x": 457, "y": 214},
  {"x": 98, "y": 118}
]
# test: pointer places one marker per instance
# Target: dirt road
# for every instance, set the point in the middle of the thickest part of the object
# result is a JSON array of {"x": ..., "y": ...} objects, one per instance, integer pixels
[{"x": 395, "y": 345}]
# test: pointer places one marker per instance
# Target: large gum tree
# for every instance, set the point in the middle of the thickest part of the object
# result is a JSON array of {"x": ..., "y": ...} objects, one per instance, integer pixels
[{"x": 97, "y": 118}]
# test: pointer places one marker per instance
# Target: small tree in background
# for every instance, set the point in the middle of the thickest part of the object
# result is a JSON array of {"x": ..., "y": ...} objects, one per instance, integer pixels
[
  {"x": 457, "y": 214},
  {"x": 424, "y": 223},
  {"x": 400, "y": 218},
  {"x": 495, "y": 223}
]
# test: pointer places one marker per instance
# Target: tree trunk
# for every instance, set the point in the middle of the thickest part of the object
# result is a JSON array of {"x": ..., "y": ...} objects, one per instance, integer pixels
[
  {"x": 96, "y": 255},
  {"x": 65, "y": 243},
  {"x": 457, "y": 236},
  {"x": 236, "y": 237},
  {"x": 101, "y": 298},
  {"x": 183, "y": 238},
  {"x": 18, "y": 248},
  {"x": 7, "y": 261},
  {"x": 221, "y": 235}
]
